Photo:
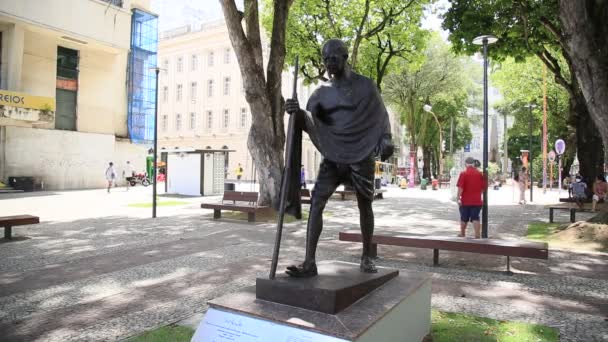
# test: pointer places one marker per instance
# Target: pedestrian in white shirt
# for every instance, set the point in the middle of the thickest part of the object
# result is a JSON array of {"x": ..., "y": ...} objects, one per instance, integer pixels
[
  {"x": 110, "y": 175},
  {"x": 127, "y": 173}
]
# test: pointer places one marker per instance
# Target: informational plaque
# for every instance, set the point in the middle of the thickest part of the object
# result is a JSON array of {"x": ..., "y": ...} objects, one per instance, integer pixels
[{"x": 223, "y": 326}]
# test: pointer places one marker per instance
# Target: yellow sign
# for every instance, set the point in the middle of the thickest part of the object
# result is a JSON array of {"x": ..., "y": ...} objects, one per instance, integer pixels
[{"x": 14, "y": 99}]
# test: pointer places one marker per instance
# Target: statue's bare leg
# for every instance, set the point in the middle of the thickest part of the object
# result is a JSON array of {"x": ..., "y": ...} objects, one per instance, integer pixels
[
  {"x": 327, "y": 182},
  {"x": 366, "y": 219}
]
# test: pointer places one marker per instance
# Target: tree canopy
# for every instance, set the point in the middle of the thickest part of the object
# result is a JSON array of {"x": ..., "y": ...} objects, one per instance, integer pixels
[
  {"x": 376, "y": 31},
  {"x": 440, "y": 81}
]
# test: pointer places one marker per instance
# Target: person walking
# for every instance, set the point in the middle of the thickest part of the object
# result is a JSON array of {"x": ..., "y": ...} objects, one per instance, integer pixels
[
  {"x": 470, "y": 188},
  {"x": 239, "y": 173},
  {"x": 303, "y": 177},
  {"x": 600, "y": 188},
  {"x": 110, "y": 175},
  {"x": 522, "y": 180},
  {"x": 128, "y": 173},
  {"x": 579, "y": 191}
]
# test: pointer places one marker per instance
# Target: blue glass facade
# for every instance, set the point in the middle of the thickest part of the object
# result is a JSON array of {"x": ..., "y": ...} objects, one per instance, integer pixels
[{"x": 142, "y": 79}]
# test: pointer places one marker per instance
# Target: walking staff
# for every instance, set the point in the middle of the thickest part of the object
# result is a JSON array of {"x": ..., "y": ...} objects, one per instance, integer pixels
[{"x": 285, "y": 178}]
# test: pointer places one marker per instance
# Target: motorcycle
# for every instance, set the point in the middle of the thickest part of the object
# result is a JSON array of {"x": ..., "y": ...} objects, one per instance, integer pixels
[{"x": 141, "y": 178}]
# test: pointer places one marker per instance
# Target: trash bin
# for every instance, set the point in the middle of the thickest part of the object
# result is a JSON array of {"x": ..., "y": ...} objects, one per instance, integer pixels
[
  {"x": 378, "y": 183},
  {"x": 21, "y": 183},
  {"x": 423, "y": 183},
  {"x": 229, "y": 186}
]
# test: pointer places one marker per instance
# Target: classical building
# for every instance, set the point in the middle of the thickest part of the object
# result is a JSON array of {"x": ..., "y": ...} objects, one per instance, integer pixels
[
  {"x": 202, "y": 101},
  {"x": 76, "y": 89}
]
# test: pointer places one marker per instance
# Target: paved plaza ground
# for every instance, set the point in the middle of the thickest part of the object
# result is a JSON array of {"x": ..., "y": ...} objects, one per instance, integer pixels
[{"x": 97, "y": 269}]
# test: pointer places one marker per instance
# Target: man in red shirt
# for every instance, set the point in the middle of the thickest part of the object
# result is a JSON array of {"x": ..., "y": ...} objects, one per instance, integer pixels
[{"x": 470, "y": 187}]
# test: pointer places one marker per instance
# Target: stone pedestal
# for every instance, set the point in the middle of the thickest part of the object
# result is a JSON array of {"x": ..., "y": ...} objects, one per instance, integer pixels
[
  {"x": 338, "y": 286},
  {"x": 399, "y": 310}
]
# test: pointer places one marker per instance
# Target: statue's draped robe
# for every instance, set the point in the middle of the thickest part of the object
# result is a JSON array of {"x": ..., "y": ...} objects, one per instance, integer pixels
[{"x": 345, "y": 124}]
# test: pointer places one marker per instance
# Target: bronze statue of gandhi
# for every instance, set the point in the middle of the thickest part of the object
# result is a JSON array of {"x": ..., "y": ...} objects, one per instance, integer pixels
[{"x": 347, "y": 121}]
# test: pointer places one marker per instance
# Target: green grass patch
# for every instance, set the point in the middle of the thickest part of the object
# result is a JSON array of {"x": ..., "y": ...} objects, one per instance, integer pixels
[
  {"x": 446, "y": 327},
  {"x": 456, "y": 327},
  {"x": 541, "y": 231},
  {"x": 170, "y": 333},
  {"x": 158, "y": 204}
]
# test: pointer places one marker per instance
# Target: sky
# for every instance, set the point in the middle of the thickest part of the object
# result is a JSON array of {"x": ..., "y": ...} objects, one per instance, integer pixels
[{"x": 176, "y": 13}]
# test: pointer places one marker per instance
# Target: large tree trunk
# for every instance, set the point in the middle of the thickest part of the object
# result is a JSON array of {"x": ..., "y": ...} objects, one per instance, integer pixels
[
  {"x": 586, "y": 41},
  {"x": 263, "y": 92},
  {"x": 426, "y": 159},
  {"x": 588, "y": 141}
]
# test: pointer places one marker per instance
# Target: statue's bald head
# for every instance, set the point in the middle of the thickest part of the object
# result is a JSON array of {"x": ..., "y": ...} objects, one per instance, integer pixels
[
  {"x": 335, "y": 45},
  {"x": 335, "y": 55}
]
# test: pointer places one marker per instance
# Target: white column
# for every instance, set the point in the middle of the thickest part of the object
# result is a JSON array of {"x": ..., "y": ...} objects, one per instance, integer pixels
[{"x": 15, "y": 57}]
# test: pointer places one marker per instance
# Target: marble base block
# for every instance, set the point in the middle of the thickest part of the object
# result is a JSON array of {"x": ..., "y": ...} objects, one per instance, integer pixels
[
  {"x": 399, "y": 310},
  {"x": 338, "y": 286}
]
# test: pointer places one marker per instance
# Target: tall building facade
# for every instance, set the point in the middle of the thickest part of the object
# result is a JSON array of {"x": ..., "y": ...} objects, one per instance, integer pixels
[
  {"x": 75, "y": 85},
  {"x": 202, "y": 100}
]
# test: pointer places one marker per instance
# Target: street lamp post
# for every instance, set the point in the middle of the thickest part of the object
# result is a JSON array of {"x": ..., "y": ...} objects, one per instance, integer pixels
[
  {"x": 155, "y": 153},
  {"x": 530, "y": 107},
  {"x": 428, "y": 108},
  {"x": 485, "y": 40}
]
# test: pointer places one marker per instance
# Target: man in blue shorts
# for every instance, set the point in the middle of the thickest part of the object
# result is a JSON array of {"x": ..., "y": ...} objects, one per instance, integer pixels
[{"x": 470, "y": 187}]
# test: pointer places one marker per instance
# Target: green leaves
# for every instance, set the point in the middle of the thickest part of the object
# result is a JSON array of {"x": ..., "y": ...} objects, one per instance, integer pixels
[
  {"x": 377, "y": 32},
  {"x": 441, "y": 80}
]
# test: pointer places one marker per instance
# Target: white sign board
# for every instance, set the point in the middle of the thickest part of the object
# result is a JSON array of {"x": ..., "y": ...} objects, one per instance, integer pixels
[
  {"x": 552, "y": 156},
  {"x": 560, "y": 146},
  {"x": 222, "y": 326}
]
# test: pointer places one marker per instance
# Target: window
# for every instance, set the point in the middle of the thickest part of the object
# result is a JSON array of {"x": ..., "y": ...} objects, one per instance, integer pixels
[
  {"x": 226, "y": 118},
  {"x": 227, "y": 56},
  {"x": 227, "y": 86},
  {"x": 180, "y": 64},
  {"x": 178, "y": 95},
  {"x": 165, "y": 66},
  {"x": 210, "y": 59},
  {"x": 209, "y": 119},
  {"x": 192, "y": 120},
  {"x": 164, "y": 123},
  {"x": 243, "y": 117},
  {"x": 193, "y": 87},
  {"x": 194, "y": 63},
  {"x": 210, "y": 88},
  {"x": 178, "y": 122},
  {"x": 165, "y": 94},
  {"x": 66, "y": 92}
]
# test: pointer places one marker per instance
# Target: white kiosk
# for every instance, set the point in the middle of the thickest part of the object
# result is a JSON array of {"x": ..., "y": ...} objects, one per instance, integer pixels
[{"x": 194, "y": 172}]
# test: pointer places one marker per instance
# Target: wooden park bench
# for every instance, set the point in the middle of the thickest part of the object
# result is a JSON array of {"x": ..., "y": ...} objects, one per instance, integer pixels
[
  {"x": 508, "y": 248},
  {"x": 305, "y": 195},
  {"x": 8, "y": 222},
  {"x": 378, "y": 193},
  {"x": 572, "y": 200},
  {"x": 559, "y": 207},
  {"x": 236, "y": 201},
  {"x": 573, "y": 210}
]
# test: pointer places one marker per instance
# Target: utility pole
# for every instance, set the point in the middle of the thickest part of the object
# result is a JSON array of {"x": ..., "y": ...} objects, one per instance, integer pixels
[
  {"x": 452, "y": 135},
  {"x": 530, "y": 106}
]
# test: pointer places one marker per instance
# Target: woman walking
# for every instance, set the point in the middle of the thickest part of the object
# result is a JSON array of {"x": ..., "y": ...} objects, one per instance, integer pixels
[{"x": 523, "y": 183}]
